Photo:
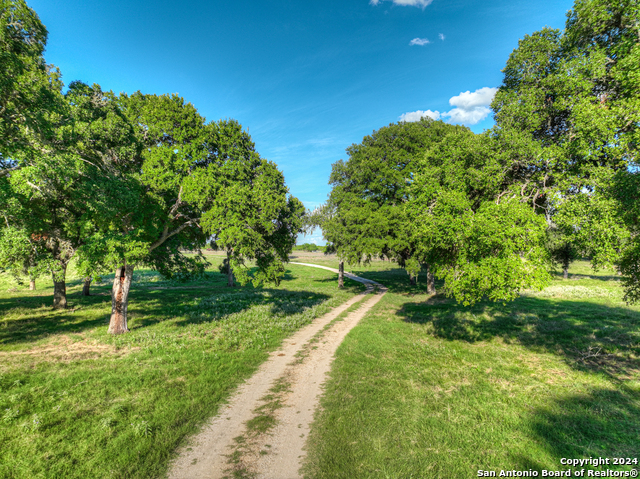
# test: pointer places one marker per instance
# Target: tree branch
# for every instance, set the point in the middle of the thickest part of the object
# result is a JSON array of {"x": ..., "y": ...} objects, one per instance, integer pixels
[
  {"x": 177, "y": 205},
  {"x": 34, "y": 186},
  {"x": 166, "y": 235},
  {"x": 4, "y": 172}
]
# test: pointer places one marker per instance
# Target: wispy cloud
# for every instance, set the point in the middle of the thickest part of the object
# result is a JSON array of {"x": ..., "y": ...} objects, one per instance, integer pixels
[
  {"x": 419, "y": 41},
  {"x": 441, "y": 36},
  {"x": 470, "y": 108},
  {"x": 410, "y": 3}
]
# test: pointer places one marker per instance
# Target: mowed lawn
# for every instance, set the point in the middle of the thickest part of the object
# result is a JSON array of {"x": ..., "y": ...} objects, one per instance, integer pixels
[
  {"x": 423, "y": 387},
  {"x": 76, "y": 402}
]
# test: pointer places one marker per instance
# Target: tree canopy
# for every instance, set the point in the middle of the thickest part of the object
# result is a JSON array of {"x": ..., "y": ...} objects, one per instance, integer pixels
[
  {"x": 365, "y": 214},
  {"x": 574, "y": 96},
  {"x": 29, "y": 88}
]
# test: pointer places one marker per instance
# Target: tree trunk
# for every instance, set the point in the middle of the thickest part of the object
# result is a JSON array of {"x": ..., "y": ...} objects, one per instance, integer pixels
[
  {"x": 60, "y": 289},
  {"x": 413, "y": 279},
  {"x": 341, "y": 274},
  {"x": 120, "y": 299},
  {"x": 230, "y": 281},
  {"x": 32, "y": 285},
  {"x": 431, "y": 282},
  {"x": 565, "y": 272},
  {"x": 86, "y": 286}
]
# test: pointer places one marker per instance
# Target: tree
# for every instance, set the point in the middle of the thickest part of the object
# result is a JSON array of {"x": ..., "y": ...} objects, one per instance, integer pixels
[
  {"x": 625, "y": 189},
  {"x": 29, "y": 88},
  {"x": 562, "y": 249},
  {"x": 365, "y": 213},
  {"x": 575, "y": 95},
  {"x": 22, "y": 255},
  {"x": 473, "y": 219},
  {"x": 326, "y": 218},
  {"x": 250, "y": 213},
  {"x": 151, "y": 221},
  {"x": 61, "y": 197},
  {"x": 191, "y": 184}
]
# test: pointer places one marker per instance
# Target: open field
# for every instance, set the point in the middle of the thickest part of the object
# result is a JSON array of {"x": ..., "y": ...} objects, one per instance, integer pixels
[
  {"x": 76, "y": 402},
  {"x": 423, "y": 387}
]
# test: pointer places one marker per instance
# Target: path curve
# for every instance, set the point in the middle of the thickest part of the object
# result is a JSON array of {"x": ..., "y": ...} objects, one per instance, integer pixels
[{"x": 277, "y": 454}]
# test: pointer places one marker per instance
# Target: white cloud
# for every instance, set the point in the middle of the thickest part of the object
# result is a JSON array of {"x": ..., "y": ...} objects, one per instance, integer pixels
[
  {"x": 467, "y": 117},
  {"x": 419, "y": 41},
  {"x": 411, "y": 3},
  {"x": 467, "y": 100},
  {"x": 416, "y": 115},
  {"x": 441, "y": 36},
  {"x": 470, "y": 108}
]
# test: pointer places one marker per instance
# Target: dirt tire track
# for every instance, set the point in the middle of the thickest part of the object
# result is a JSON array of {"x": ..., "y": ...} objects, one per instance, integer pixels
[{"x": 208, "y": 453}]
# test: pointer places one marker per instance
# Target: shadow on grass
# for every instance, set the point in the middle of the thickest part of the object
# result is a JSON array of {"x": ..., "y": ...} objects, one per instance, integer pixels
[
  {"x": 588, "y": 335},
  {"x": 396, "y": 280},
  {"x": 558, "y": 275},
  {"x": 147, "y": 307},
  {"x": 601, "y": 423},
  {"x": 281, "y": 303}
]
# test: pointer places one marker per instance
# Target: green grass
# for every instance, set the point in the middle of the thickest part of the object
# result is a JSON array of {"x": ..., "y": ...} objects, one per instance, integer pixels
[
  {"x": 423, "y": 387},
  {"x": 76, "y": 402}
]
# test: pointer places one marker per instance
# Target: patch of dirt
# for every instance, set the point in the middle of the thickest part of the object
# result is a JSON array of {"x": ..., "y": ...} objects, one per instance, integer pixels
[
  {"x": 64, "y": 348},
  {"x": 229, "y": 446}
]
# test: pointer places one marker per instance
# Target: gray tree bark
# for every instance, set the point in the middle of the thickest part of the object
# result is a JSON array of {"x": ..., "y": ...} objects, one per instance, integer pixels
[
  {"x": 32, "y": 285},
  {"x": 86, "y": 287},
  {"x": 230, "y": 280},
  {"x": 431, "y": 282},
  {"x": 341, "y": 274},
  {"x": 120, "y": 299},
  {"x": 60, "y": 289}
]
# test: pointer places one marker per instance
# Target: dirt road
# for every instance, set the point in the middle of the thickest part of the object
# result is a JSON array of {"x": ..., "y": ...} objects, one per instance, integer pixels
[{"x": 262, "y": 431}]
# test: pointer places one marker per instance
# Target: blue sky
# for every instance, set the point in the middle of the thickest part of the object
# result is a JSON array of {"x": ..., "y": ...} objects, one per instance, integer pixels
[{"x": 306, "y": 78}]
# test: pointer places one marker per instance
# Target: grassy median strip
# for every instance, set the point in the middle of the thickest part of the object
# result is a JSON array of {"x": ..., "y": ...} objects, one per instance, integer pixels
[
  {"x": 77, "y": 403},
  {"x": 423, "y": 387}
]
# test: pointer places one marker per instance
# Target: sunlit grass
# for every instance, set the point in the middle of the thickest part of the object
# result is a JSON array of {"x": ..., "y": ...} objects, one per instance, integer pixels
[
  {"x": 423, "y": 387},
  {"x": 77, "y": 402}
]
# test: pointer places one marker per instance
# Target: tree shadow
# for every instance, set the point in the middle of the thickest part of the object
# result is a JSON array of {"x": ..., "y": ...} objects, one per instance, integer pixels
[
  {"x": 281, "y": 303},
  {"x": 559, "y": 275},
  {"x": 396, "y": 280},
  {"x": 148, "y": 306},
  {"x": 151, "y": 301},
  {"x": 589, "y": 336},
  {"x": 601, "y": 423},
  {"x": 38, "y": 319}
]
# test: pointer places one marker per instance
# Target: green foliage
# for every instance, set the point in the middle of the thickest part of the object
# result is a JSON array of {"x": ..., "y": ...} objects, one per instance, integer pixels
[
  {"x": 626, "y": 191},
  {"x": 473, "y": 222},
  {"x": 22, "y": 255},
  {"x": 364, "y": 216},
  {"x": 29, "y": 89},
  {"x": 574, "y": 96},
  {"x": 561, "y": 247},
  {"x": 591, "y": 218},
  {"x": 61, "y": 198},
  {"x": 310, "y": 247},
  {"x": 247, "y": 207},
  {"x": 148, "y": 222}
]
